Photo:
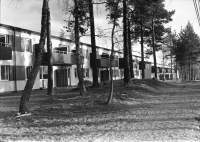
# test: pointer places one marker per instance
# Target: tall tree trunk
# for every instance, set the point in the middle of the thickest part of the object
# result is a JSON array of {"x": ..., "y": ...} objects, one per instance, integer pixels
[
  {"x": 185, "y": 73},
  {"x": 24, "y": 108},
  {"x": 163, "y": 67},
  {"x": 142, "y": 48},
  {"x": 112, "y": 56},
  {"x": 78, "y": 55},
  {"x": 93, "y": 43},
  {"x": 50, "y": 90},
  {"x": 111, "y": 76},
  {"x": 171, "y": 68},
  {"x": 130, "y": 51},
  {"x": 154, "y": 50},
  {"x": 189, "y": 69},
  {"x": 127, "y": 77}
]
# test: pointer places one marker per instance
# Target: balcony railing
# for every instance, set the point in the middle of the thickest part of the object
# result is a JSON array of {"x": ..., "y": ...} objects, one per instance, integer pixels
[
  {"x": 5, "y": 51},
  {"x": 105, "y": 62},
  {"x": 61, "y": 58}
]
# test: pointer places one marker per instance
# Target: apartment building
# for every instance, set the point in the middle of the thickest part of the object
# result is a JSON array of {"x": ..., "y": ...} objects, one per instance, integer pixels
[{"x": 18, "y": 51}]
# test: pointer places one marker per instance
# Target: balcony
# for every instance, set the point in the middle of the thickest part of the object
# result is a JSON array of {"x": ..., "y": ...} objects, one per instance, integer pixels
[
  {"x": 60, "y": 58},
  {"x": 105, "y": 63},
  {"x": 5, "y": 51}
]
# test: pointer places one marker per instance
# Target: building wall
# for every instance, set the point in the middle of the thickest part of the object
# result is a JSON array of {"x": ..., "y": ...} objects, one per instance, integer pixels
[
  {"x": 19, "y": 58},
  {"x": 23, "y": 59}
]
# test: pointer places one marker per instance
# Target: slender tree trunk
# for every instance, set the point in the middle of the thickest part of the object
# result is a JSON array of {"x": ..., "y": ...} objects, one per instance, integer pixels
[
  {"x": 78, "y": 55},
  {"x": 189, "y": 69},
  {"x": 130, "y": 51},
  {"x": 112, "y": 57},
  {"x": 127, "y": 77},
  {"x": 142, "y": 48},
  {"x": 185, "y": 73},
  {"x": 111, "y": 79},
  {"x": 111, "y": 62},
  {"x": 163, "y": 67},
  {"x": 154, "y": 50},
  {"x": 171, "y": 66},
  {"x": 50, "y": 90},
  {"x": 93, "y": 43},
  {"x": 176, "y": 72},
  {"x": 24, "y": 108}
]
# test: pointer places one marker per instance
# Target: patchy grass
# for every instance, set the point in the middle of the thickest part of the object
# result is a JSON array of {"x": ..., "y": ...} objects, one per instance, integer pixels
[{"x": 70, "y": 117}]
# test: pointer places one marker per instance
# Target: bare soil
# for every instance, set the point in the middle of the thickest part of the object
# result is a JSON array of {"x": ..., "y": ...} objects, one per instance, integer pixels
[{"x": 148, "y": 110}]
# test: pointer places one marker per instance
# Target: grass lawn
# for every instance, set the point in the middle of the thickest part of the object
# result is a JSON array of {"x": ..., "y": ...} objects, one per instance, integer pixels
[{"x": 70, "y": 117}]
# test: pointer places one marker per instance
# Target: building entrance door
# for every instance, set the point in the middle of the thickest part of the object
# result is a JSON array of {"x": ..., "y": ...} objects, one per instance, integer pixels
[
  {"x": 104, "y": 75},
  {"x": 61, "y": 78}
]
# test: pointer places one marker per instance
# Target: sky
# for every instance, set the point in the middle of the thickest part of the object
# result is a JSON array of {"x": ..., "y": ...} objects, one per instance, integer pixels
[{"x": 28, "y": 15}]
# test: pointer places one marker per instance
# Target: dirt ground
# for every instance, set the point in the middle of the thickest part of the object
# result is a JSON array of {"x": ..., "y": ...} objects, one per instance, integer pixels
[{"x": 148, "y": 110}]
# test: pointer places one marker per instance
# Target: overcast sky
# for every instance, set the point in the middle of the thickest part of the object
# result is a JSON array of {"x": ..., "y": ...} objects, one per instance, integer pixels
[{"x": 28, "y": 15}]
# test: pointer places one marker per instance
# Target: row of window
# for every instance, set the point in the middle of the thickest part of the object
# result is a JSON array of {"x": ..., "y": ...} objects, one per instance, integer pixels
[
  {"x": 25, "y": 45},
  {"x": 8, "y": 73},
  {"x": 22, "y": 44}
]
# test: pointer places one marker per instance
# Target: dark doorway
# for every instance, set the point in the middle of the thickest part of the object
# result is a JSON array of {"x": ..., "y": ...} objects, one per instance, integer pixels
[
  {"x": 104, "y": 75},
  {"x": 61, "y": 78}
]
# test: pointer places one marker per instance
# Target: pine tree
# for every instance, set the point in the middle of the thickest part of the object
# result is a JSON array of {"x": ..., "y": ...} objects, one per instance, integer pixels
[{"x": 24, "y": 107}]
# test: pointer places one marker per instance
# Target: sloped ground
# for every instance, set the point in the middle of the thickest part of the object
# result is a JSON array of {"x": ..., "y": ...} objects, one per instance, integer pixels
[{"x": 148, "y": 110}]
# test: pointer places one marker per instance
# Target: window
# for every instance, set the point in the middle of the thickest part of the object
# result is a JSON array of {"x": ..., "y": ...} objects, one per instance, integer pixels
[
  {"x": 28, "y": 71},
  {"x": 85, "y": 72},
  {"x": 97, "y": 54},
  {"x": 87, "y": 54},
  {"x": 75, "y": 72},
  {"x": 44, "y": 72},
  {"x": 41, "y": 73},
  {"x": 4, "y": 73},
  {"x": 27, "y": 45},
  {"x": 4, "y": 40}
]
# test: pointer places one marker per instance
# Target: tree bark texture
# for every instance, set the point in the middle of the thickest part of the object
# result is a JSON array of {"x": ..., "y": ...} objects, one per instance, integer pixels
[
  {"x": 142, "y": 47},
  {"x": 127, "y": 77},
  {"x": 154, "y": 50},
  {"x": 112, "y": 56},
  {"x": 78, "y": 55},
  {"x": 130, "y": 51},
  {"x": 111, "y": 62},
  {"x": 93, "y": 44},
  {"x": 50, "y": 90},
  {"x": 24, "y": 108}
]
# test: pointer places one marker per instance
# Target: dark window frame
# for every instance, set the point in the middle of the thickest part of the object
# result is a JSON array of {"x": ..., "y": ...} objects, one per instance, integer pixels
[
  {"x": 27, "y": 71},
  {"x": 6, "y": 72}
]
